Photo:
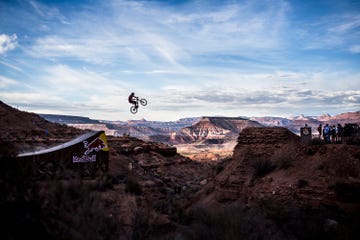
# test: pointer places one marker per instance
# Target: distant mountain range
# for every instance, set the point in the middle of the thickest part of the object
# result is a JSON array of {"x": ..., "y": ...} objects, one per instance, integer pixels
[
  {"x": 295, "y": 123},
  {"x": 201, "y": 137},
  {"x": 143, "y": 128},
  {"x": 195, "y": 128},
  {"x": 67, "y": 119}
]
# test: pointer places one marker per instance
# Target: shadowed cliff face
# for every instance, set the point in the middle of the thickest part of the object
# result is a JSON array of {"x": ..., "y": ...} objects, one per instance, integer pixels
[
  {"x": 147, "y": 186},
  {"x": 298, "y": 191},
  {"x": 271, "y": 163},
  {"x": 150, "y": 191},
  {"x": 28, "y": 130}
]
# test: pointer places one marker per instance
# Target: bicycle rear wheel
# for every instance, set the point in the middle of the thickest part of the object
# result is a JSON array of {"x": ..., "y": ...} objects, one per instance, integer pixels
[{"x": 133, "y": 109}]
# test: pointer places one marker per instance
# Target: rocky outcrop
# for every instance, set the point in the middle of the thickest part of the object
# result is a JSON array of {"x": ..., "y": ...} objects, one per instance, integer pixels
[
  {"x": 224, "y": 128},
  {"x": 28, "y": 130},
  {"x": 271, "y": 163},
  {"x": 350, "y": 117},
  {"x": 130, "y": 145},
  {"x": 267, "y": 135}
]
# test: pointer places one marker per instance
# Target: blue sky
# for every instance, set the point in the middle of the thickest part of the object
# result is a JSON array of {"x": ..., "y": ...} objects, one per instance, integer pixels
[{"x": 187, "y": 58}]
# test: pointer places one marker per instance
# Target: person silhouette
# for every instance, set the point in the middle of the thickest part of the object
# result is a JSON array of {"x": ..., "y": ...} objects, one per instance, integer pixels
[{"x": 132, "y": 99}]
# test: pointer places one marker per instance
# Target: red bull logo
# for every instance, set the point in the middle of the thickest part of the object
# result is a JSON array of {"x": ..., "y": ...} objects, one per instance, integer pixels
[{"x": 96, "y": 145}]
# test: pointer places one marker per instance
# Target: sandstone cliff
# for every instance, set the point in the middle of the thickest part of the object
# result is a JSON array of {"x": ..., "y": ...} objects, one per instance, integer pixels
[
  {"x": 213, "y": 129},
  {"x": 271, "y": 163}
]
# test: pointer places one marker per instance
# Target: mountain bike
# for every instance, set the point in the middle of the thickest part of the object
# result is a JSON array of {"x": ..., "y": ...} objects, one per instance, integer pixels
[{"x": 134, "y": 108}]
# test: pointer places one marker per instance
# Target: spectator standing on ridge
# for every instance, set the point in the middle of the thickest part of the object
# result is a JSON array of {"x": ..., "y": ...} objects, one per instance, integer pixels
[
  {"x": 333, "y": 133},
  {"x": 326, "y": 133},
  {"x": 319, "y": 130},
  {"x": 339, "y": 133}
]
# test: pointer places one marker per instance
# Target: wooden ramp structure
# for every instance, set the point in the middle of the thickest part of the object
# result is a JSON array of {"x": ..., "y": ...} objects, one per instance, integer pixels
[{"x": 85, "y": 155}]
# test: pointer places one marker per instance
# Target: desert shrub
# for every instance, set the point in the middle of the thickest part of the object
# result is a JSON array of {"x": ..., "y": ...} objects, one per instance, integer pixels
[
  {"x": 317, "y": 141},
  {"x": 262, "y": 167},
  {"x": 301, "y": 183},
  {"x": 219, "y": 166},
  {"x": 72, "y": 210},
  {"x": 273, "y": 208},
  {"x": 142, "y": 226},
  {"x": 310, "y": 151},
  {"x": 308, "y": 223},
  {"x": 232, "y": 222},
  {"x": 15, "y": 175},
  {"x": 132, "y": 186},
  {"x": 347, "y": 192},
  {"x": 284, "y": 157},
  {"x": 145, "y": 226},
  {"x": 219, "y": 169},
  {"x": 21, "y": 214},
  {"x": 66, "y": 209},
  {"x": 284, "y": 162},
  {"x": 353, "y": 140},
  {"x": 7, "y": 150},
  {"x": 105, "y": 181}
]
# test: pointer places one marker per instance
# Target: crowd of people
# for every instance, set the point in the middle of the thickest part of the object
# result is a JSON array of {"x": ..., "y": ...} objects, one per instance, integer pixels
[
  {"x": 336, "y": 133},
  {"x": 331, "y": 133}
]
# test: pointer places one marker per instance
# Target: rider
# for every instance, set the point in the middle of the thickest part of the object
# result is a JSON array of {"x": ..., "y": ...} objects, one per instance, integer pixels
[{"x": 132, "y": 99}]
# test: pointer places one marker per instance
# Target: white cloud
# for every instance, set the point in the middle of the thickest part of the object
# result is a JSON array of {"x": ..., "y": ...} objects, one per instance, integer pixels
[
  {"x": 331, "y": 31},
  {"x": 48, "y": 12},
  {"x": 6, "y": 82},
  {"x": 151, "y": 34},
  {"x": 190, "y": 59},
  {"x": 12, "y": 66},
  {"x": 345, "y": 24},
  {"x": 7, "y": 42},
  {"x": 68, "y": 81},
  {"x": 355, "y": 49}
]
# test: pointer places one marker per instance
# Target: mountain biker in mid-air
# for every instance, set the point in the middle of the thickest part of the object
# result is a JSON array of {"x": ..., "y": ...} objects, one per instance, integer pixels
[
  {"x": 132, "y": 99},
  {"x": 135, "y": 101}
]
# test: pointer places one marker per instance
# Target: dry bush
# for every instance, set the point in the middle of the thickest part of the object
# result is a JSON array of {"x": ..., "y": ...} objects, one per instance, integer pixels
[
  {"x": 353, "y": 140},
  {"x": 21, "y": 215},
  {"x": 33, "y": 209},
  {"x": 132, "y": 186},
  {"x": 262, "y": 167},
  {"x": 309, "y": 223},
  {"x": 301, "y": 183},
  {"x": 347, "y": 192},
  {"x": 285, "y": 157},
  {"x": 73, "y": 211},
  {"x": 317, "y": 141},
  {"x": 233, "y": 222}
]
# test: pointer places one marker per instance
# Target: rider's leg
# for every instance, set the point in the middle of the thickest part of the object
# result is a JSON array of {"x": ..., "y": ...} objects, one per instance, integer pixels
[{"x": 134, "y": 103}]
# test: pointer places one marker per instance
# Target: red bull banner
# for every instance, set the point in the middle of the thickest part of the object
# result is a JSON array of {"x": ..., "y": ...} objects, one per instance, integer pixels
[{"x": 88, "y": 155}]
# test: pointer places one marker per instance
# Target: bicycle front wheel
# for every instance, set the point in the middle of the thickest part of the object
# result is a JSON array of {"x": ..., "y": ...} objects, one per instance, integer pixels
[{"x": 143, "y": 101}]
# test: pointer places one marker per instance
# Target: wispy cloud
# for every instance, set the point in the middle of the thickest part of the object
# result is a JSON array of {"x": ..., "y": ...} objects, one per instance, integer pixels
[
  {"x": 7, "y": 43},
  {"x": 340, "y": 31},
  {"x": 47, "y": 12},
  {"x": 198, "y": 57},
  {"x": 12, "y": 66},
  {"x": 164, "y": 35},
  {"x": 354, "y": 49},
  {"x": 5, "y": 82}
]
